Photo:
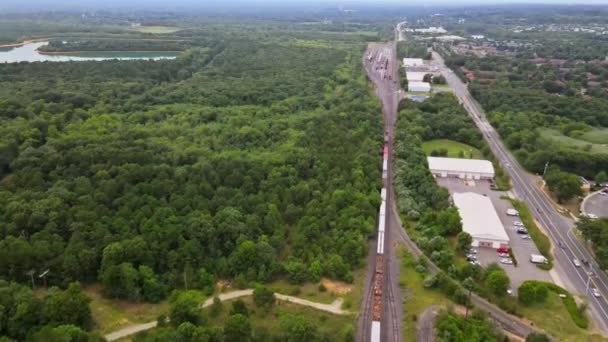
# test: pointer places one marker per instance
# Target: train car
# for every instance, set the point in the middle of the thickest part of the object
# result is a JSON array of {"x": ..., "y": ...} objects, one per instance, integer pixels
[
  {"x": 380, "y": 247},
  {"x": 386, "y": 148},
  {"x": 375, "y": 331},
  {"x": 383, "y": 194}
]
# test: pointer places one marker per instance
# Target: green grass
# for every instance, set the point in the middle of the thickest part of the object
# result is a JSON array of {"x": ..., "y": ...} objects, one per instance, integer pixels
[
  {"x": 556, "y": 136},
  {"x": 326, "y": 323},
  {"x": 157, "y": 29},
  {"x": 110, "y": 314},
  {"x": 453, "y": 148},
  {"x": 596, "y": 136},
  {"x": 553, "y": 317},
  {"x": 416, "y": 297},
  {"x": 309, "y": 291},
  {"x": 541, "y": 240}
]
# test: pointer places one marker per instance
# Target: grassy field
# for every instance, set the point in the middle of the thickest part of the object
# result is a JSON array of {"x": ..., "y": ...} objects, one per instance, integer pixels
[
  {"x": 110, "y": 314},
  {"x": 416, "y": 297},
  {"x": 553, "y": 317},
  {"x": 327, "y": 324},
  {"x": 577, "y": 144},
  {"x": 156, "y": 29},
  {"x": 596, "y": 136},
  {"x": 453, "y": 147}
]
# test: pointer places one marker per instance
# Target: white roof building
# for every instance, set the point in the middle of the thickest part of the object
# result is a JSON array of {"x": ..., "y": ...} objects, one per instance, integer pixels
[
  {"x": 415, "y": 76},
  {"x": 410, "y": 62},
  {"x": 480, "y": 220},
  {"x": 419, "y": 86},
  {"x": 461, "y": 168}
]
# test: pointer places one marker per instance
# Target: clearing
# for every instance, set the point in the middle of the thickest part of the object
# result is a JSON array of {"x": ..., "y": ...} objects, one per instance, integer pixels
[
  {"x": 556, "y": 136},
  {"x": 156, "y": 29},
  {"x": 453, "y": 147},
  {"x": 596, "y": 136}
]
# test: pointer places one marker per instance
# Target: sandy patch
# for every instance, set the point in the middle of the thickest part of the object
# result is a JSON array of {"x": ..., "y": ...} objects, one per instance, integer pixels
[{"x": 336, "y": 287}]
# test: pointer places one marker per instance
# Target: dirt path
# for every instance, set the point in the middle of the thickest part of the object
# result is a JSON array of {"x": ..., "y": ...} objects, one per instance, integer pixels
[{"x": 334, "y": 308}]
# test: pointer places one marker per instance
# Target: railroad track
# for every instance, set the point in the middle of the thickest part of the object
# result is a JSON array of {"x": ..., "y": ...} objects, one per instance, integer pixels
[{"x": 392, "y": 310}]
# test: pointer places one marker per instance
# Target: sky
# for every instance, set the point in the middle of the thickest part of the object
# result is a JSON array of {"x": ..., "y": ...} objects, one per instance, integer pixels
[{"x": 42, "y": 5}]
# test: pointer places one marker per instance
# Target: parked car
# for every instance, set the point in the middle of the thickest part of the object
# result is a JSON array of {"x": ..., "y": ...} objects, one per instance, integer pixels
[
  {"x": 471, "y": 257},
  {"x": 502, "y": 250},
  {"x": 561, "y": 295},
  {"x": 509, "y": 292},
  {"x": 503, "y": 255},
  {"x": 522, "y": 230},
  {"x": 506, "y": 261},
  {"x": 576, "y": 262},
  {"x": 474, "y": 262},
  {"x": 525, "y": 237},
  {"x": 512, "y": 212},
  {"x": 472, "y": 251},
  {"x": 518, "y": 223},
  {"x": 595, "y": 292}
]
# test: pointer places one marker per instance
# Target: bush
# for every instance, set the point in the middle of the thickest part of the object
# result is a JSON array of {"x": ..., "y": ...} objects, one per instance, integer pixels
[
  {"x": 322, "y": 287},
  {"x": 532, "y": 291}
]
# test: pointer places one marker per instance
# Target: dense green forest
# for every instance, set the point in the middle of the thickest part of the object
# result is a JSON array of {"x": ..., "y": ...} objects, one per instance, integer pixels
[
  {"x": 116, "y": 45},
  {"x": 454, "y": 328},
  {"x": 248, "y": 159}
]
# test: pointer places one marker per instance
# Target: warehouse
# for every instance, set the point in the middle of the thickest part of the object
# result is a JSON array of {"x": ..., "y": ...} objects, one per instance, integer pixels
[
  {"x": 415, "y": 76},
  {"x": 419, "y": 86},
  {"x": 480, "y": 220},
  {"x": 410, "y": 62},
  {"x": 461, "y": 168}
]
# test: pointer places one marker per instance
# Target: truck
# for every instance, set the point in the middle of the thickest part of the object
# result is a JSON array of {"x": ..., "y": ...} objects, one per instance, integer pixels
[{"x": 538, "y": 259}]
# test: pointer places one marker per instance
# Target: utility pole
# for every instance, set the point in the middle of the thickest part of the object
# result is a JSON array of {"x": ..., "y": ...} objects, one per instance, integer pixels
[
  {"x": 545, "y": 170},
  {"x": 31, "y": 274}
]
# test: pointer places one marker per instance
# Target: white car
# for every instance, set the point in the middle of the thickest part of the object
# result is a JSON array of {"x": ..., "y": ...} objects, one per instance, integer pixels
[
  {"x": 474, "y": 262},
  {"x": 596, "y": 293},
  {"x": 517, "y": 223},
  {"x": 525, "y": 237},
  {"x": 503, "y": 255},
  {"x": 592, "y": 216},
  {"x": 472, "y": 251},
  {"x": 576, "y": 262},
  {"x": 509, "y": 292},
  {"x": 506, "y": 261}
]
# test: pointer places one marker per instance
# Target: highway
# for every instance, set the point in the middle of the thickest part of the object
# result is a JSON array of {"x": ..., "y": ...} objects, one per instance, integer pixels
[{"x": 557, "y": 226}]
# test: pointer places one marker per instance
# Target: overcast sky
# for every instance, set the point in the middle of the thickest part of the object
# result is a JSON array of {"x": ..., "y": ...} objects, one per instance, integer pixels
[{"x": 182, "y": 4}]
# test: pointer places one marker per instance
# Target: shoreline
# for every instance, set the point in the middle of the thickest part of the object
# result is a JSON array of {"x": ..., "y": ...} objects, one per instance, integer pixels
[
  {"x": 42, "y": 52},
  {"x": 25, "y": 42}
]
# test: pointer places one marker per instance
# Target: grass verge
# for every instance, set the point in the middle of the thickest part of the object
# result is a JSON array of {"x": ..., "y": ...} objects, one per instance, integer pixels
[
  {"x": 453, "y": 148},
  {"x": 540, "y": 239}
]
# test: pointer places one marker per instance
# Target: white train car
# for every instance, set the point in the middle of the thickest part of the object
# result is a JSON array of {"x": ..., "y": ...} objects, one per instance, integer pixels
[
  {"x": 383, "y": 194},
  {"x": 380, "y": 248},
  {"x": 382, "y": 217},
  {"x": 375, "y": 331}
]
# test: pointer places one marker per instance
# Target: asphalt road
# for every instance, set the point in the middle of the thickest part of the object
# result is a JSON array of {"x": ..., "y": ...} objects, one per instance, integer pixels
[{"x": 558, "y": 227}]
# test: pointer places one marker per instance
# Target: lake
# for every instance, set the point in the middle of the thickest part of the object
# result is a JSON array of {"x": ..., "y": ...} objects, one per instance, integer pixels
[{"x": 29, "y": 53}]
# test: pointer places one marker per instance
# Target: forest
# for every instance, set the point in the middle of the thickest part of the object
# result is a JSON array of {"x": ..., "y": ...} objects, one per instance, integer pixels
[
  {"x": 115, "y": 45},
  {"x": 247, "y": 159}
]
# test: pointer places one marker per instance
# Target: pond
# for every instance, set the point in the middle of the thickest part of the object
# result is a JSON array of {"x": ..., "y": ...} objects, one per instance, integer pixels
[{"x": 29, "y": 53}]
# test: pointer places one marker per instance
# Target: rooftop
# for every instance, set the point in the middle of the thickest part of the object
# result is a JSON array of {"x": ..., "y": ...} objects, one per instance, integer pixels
[
  {"x": 460, "y": 165},
  {"x": 479, "y": 218}
]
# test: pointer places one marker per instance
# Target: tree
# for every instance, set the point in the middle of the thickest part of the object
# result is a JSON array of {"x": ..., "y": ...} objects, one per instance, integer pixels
[
  {"x": 601, "y": 177},
  {"x": 263, "y": 297},
  {"x": 464, "y": 241},
  {"x": 297, "y": 328},
  {"x": 239, "y": 307},
  {"x": 296, "y": 272},
  {"x": 217, "y": 307},
  {"x": 185, "y": 308},
  {"x": 498, "y": 282},
  {"x": 69, "y": 307},
  {"x": 121, "y": 281},
  {"x": 237, "y": 328},
  {"x": 563, "y": 184},
  {"x": 531, "y": 291}
]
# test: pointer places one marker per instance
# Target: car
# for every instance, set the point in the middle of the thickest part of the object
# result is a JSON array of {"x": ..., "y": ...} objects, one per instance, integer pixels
[
  {"x": 512, "y": 212},
  {"x": 472, "y": 251},
  {"x": 522, "y": 230},
  {"x": 576, "y": 262},
  {"x": 604, "y": 193},
  {"x": 502, "y": 250},
  {"x": 525, "y": 237},
  {"x": 503, "y": 255},
  {"x": 509, "y": 292},
  {"x": 561, "y": 295},
  {"x": 518, "y": 223},
  {"x": 595, "y": 292},
  {"x": 474, "y": 262},
  {"x": 506, "y": 261},
  {"x": 592, "y": 216},
  {"x": 471, "y": 257}
]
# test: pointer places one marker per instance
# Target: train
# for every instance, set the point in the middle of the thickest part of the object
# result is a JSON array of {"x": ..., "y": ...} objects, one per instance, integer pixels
[{"x": 379, "y": 271}]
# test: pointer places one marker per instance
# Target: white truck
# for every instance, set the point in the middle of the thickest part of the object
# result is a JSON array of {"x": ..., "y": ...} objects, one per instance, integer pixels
[{"x": 538, "y": 259}]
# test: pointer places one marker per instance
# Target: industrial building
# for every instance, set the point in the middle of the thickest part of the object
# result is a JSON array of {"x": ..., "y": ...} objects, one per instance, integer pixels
[
  {"x": 461, "y": 168},
  {"x": 415, "y": 76},
  {"x": 411, "y": 62},
  {"x": 419, "y": 86},
  {"x": 480, "y": 220}
]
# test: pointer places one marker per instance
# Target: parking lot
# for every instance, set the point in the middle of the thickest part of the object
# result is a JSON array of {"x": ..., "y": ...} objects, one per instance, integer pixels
[
  {"x": 597, "y": 204},
  {"x": 521, "y": 248}
]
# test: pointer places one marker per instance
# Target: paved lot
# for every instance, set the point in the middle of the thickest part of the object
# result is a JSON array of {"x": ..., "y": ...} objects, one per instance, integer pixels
[
  {"x": 597, "y": 204},
  {"x": 522, "y": 249}
]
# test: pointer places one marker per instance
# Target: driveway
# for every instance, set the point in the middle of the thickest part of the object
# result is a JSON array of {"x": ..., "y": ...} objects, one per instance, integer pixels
[
  {"x": 521, "y": 248},
  {"x": 596, "y": 204}
]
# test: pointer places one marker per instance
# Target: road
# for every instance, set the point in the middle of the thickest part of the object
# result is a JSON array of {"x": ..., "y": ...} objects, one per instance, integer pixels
[
  {"x": 557, "y": 226},
  {"x": 387, "y": 90}
]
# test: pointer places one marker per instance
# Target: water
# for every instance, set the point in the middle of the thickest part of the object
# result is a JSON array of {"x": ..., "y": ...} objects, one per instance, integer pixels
[{"x": 29, "y": 53}]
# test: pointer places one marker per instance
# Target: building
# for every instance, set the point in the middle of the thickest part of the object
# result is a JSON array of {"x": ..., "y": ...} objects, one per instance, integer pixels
[
  {"x": 419, "y": 86},
  {"x": 480, "y": 220},
  {"x": 415, "y": 76},
  {"x": 412, "y": 62},
  {"x": 461, "y": 168}
]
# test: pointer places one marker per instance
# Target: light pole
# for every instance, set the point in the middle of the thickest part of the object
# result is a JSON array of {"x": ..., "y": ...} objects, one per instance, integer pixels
[{"x": 545, "y": 170}]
